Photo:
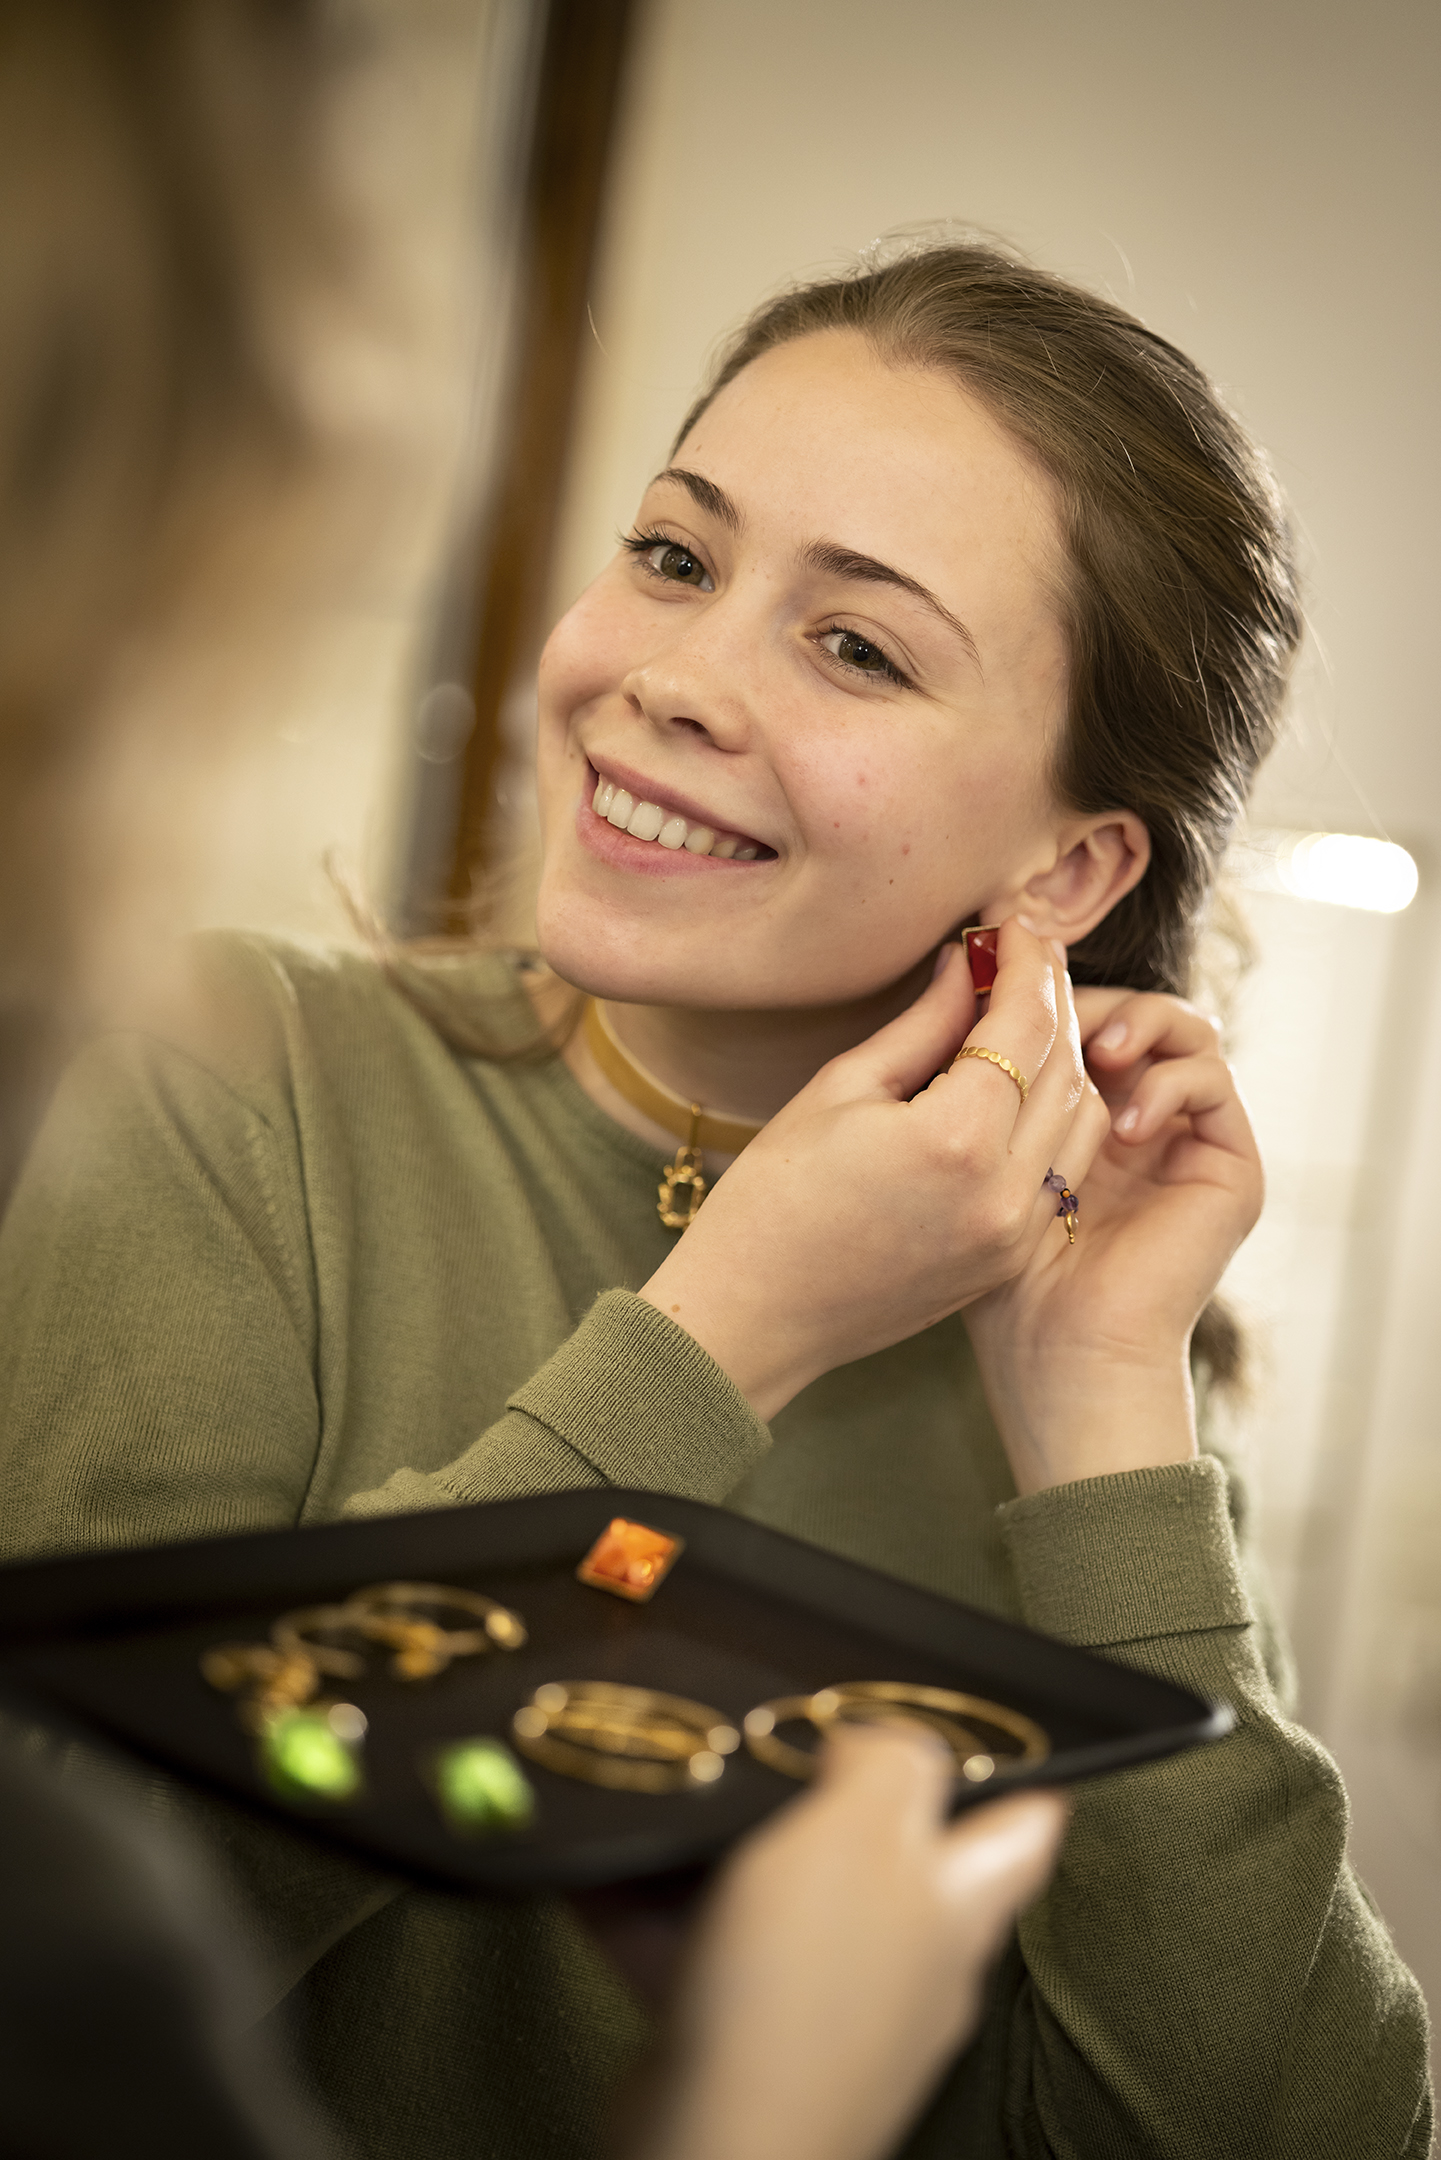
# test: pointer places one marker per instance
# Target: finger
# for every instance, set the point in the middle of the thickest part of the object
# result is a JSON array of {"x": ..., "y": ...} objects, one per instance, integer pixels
[
  {"x": 1000, "y": 1857},
  {"x": 900, "y": 1768},
  {"x": 1049, "y": 1111},
  {"x": 1064, "y": 1124},
  {"x": 1202, "y": 1089},
  {"x": 1020, "y": 1026},
  {"x": 1063, "y": 1073},
  {"x": 1042, "y": 1123},
  {"x": 900, "y": 1058},
  {"x": 1023, "y": 1018},
  {"x": 1129, "y": 1026},
  {"x": 1071, "y": 1157},
  {"x": 1095, "y": 1002},
  {"x": 1082, "y": 1139}
]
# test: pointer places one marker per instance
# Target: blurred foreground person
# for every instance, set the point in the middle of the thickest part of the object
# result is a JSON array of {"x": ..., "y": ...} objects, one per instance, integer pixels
[
  {"x": 161, "y": 224},
  {"x": 819, "y": 2037},
  {"x": 127, "y": 2024}
]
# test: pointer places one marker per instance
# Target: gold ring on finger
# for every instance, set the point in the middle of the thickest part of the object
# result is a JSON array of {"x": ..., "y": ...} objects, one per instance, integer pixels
[{"x": 1002, "y": 1064}]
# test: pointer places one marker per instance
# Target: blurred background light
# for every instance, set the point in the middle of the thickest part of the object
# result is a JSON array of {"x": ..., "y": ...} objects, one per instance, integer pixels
[{"x": 1342, "y": 869}]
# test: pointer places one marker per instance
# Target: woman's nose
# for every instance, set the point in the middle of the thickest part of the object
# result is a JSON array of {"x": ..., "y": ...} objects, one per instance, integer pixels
[{"x": 696, "y": 681}]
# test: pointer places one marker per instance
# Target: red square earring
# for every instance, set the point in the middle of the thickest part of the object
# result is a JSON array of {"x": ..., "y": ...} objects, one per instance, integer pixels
[{"x": 980, "y": 944}]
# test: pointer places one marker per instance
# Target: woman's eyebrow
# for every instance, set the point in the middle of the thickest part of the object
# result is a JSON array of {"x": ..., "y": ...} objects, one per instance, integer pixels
[
  {"x": 706, "y": 494},
  {"x": 844, "y": 562}
]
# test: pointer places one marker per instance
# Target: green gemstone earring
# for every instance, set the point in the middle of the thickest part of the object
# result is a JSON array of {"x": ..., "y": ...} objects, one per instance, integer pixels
[
  {"x": 481, "y": 1788},
  {"x": 314, "y": 1753}
]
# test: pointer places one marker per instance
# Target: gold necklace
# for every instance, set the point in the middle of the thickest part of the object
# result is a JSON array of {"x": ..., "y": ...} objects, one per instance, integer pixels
[{"x": 683, "y": 1187}]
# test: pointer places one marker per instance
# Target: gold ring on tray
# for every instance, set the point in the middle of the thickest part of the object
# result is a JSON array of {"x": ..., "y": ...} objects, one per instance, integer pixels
[
  {"x": 386, "y": 1616},
  {"x": 423, "y": 1600},
  {"x": 632, "y": 1739},
  {"x": 1006, "y": 1740}
]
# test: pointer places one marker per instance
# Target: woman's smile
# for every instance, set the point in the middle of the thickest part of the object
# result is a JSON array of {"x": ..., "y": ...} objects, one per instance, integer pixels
[{"x": 671, "y": 836}]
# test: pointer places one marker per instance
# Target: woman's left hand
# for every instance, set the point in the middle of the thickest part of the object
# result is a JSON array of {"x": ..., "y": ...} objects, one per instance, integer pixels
[{"x": 1085, "y": 1353}]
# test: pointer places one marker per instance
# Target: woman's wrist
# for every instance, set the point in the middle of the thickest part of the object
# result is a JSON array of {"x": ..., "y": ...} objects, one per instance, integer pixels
[
  {"x": 1089, "y": 1413},
  {"x": 757, "y": 1356}
]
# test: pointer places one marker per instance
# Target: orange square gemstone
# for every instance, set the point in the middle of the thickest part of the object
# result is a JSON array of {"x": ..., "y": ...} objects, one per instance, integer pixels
[{"x": 630, "y": 1560}]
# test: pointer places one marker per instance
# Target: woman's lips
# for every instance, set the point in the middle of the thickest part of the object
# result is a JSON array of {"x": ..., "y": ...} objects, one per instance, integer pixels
[
  {"x": 614, "y": 845},
  {"x": 658, "y": 825},
  {"x": 660, "y": 830}
]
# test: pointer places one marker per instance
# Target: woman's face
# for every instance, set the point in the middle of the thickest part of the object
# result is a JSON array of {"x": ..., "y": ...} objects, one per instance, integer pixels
[{"x": 832, "y": 642}]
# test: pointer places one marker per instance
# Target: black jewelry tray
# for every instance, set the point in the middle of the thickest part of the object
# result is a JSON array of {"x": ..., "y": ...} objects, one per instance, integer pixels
[{"x": 747, "y": 1614}]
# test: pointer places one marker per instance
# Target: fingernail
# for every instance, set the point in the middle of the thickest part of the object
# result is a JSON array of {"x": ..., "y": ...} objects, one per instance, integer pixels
[
  {"x": 1128, "y": 1120},
  {"x": 1057, "y": 946},
  {"x": 943, "y": 961},
  {"x": 1026, "y": 924},
  {"x": 1112, "y": 1037}
]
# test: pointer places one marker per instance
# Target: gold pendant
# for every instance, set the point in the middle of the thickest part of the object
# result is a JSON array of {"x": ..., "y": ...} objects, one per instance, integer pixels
[
  {"x": 683, "y": 1187},
  {"x": 682, "y": 1190}
]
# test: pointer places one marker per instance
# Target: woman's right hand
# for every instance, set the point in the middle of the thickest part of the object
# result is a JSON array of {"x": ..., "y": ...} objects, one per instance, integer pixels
[
  {"x": 881, "y": 1198},
  {"x": 841, "y": 1960}
]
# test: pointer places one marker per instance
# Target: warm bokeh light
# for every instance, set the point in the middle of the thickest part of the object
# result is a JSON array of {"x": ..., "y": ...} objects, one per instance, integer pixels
[{"x": 1341, "y": 869}]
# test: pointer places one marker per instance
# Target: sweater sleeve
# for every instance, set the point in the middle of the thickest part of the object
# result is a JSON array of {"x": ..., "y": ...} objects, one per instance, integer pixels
[
  {"x": 1206, "y": 1979},
  {"x": 630, "y": 1399},
  {"x": 164, "y": 1369}
]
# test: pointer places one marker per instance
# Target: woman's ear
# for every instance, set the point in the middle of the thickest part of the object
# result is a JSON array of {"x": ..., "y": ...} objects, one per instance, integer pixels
[{"x": 1097, "y": 863}]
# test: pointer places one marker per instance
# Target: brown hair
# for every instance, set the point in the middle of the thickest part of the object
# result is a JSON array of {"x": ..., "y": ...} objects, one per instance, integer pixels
[{"x": 1182, "y": 602}]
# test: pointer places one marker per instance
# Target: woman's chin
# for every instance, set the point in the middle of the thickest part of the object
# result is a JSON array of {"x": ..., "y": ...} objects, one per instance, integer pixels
[
  {"x": 620, "y": 978},
  {"x": 588, "y": 947}
]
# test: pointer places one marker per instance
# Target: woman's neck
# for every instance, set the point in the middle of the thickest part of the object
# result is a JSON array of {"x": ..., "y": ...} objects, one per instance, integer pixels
[{"x": 738, "y": 1064}]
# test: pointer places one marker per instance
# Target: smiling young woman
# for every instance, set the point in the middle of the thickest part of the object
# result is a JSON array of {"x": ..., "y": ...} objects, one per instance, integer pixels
[{"x": 961, "y": 599}]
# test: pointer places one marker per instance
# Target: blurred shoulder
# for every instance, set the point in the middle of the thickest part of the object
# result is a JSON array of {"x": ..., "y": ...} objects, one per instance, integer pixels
[{"x": 253, "y": 1009}]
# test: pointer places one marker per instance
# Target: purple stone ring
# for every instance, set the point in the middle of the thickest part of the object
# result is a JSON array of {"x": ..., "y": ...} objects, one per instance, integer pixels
[{"x": 1070, "y": 1206}]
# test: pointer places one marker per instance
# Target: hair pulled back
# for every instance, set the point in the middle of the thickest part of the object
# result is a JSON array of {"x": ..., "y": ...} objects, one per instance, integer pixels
[{"x": 1183, "y": 615}]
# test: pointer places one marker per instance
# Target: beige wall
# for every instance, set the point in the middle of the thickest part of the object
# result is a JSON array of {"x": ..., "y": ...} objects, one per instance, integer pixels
[{"x": 1259, "y": 181}]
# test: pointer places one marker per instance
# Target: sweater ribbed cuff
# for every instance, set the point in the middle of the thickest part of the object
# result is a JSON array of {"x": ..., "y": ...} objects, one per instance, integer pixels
[
  {"x": 1129, "y": 1557},
  {"x": 640, "y": 1400}
]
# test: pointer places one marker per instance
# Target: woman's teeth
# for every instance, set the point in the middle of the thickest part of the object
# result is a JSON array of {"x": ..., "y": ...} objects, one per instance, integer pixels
[{"x": 647, "y": 821}]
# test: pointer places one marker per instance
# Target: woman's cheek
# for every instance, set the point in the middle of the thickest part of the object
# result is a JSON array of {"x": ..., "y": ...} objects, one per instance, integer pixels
[
  {"x": 594, "y": 645},
  {"x": 842, "y": 800},
  {"x": 567, "y": 666}
]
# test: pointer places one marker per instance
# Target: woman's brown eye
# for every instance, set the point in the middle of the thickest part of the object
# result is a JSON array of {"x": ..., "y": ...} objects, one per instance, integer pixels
[
  {"x": 680, "y": 565},
  {"x": 858, "y": 652}
]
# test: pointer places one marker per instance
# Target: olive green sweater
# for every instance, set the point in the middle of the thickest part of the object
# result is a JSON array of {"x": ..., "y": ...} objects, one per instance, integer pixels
[{"x": 294, "y": 1258}]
